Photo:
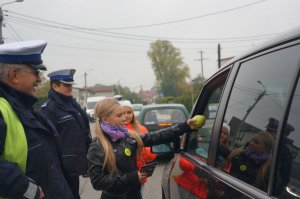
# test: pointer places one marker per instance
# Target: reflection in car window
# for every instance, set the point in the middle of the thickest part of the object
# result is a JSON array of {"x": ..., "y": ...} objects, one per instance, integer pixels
[
  {"x": 258, "y": 94},
  {"x": 288, "y": 166},
  {"x": 198, "y": 144}
]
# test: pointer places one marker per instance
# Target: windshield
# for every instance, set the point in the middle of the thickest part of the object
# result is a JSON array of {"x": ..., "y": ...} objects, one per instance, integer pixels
[{"x": 91, "y": 105}]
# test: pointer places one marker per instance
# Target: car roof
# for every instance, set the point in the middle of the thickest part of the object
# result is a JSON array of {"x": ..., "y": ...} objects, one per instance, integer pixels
[
  {"x": 171, "y": 105},
  {"x": 288, "y": 36},
  {"x": 285, "y": 37}
]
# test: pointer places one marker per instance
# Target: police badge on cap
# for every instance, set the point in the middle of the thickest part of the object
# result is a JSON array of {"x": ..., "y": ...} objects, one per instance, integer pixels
[
  {"x": 24, "y": 52},
  {"x": 64, "y": 76}
]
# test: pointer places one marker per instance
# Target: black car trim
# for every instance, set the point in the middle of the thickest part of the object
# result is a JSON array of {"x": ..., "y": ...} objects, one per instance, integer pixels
[{"x": 282, "y": 125}]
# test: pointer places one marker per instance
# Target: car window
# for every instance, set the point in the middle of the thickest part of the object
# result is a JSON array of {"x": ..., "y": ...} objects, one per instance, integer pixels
[
  {"x": 288, "y": 164},
  {"x": 256, "y": 101},
  {"x": 167, "y": 115},
  {"x": 198, "y": 143}
]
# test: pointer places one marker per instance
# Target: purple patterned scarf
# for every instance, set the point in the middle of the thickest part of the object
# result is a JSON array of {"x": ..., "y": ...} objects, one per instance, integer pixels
[
  {"x": 258, "y": 157},
  {"x": 114, "y": 132}
]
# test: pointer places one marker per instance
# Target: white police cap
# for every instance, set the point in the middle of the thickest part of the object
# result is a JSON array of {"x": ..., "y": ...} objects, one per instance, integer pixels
[
  {"x": 24, "y": 52},
  {"x": 65, "y": 76}
]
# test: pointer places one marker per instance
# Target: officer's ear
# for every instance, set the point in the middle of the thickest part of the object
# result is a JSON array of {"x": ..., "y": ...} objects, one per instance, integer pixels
[
  {"x": 55, "y": 85},
  {"x": 13, "y": 75}
]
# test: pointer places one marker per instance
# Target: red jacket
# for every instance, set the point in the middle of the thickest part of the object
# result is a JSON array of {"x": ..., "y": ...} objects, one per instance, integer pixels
[
  {"x": 189, "y": 180},
  {"x": 147, "y": 156}
]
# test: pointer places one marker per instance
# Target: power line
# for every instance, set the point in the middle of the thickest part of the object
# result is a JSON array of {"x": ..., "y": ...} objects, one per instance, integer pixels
[
  {"x": 79, "y": 29},
  {"x": 14, "y": 31},
  {"x": 163, "y": 23},
  {"x": 149, "y": 38}
]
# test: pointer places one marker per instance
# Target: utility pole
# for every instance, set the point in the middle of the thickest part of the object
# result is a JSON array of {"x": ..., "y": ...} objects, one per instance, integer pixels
[
  {"x": 85, "y": 86},
  {"x": 201, "y": 60},
  {"x": 219, "y": 56},
  {"x": 1, "y": 24},
  {"x": 1, "y": 18},
  {"x": 238, "y": 134}
]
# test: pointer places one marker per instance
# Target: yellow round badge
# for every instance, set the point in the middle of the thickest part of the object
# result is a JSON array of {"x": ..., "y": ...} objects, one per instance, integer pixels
[
  {"x": 243, "y": 167},
  {"x": 127, "y": 152}
]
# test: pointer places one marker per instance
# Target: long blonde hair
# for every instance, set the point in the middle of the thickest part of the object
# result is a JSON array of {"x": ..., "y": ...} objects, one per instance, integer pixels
[
  {"x": 261, "y": 175},
  {"x": 104, "y": 108}
]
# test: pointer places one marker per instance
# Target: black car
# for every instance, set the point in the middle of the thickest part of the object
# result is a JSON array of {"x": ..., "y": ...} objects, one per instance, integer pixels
[{"x": 256, "y": 98}]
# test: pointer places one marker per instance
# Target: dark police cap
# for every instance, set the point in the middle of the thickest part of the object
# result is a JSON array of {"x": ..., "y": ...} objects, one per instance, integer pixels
[
  {"x": 24, "y": 52},
  {"x": 64, "y": 76},
  {"x": 273, "y": 126}
]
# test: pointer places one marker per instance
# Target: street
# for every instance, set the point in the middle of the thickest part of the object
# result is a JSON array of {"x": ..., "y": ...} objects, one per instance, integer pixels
[{"x": 152, "y": 188}]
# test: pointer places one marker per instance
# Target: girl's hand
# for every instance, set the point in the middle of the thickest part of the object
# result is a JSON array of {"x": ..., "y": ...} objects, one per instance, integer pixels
[
  {"x": 42, "y": 195},
  {"x": 142, "y": 175}
]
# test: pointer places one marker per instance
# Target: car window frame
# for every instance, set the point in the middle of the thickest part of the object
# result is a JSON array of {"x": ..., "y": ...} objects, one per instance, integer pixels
[{"x": 204, "y": 96}]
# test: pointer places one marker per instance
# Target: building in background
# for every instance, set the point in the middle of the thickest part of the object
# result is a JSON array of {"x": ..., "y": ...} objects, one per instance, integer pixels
[{"x": 81, "y": 95}]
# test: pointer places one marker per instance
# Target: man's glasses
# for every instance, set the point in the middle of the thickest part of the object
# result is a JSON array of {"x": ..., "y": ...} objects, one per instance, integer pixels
[{"x": 35, "y": 72}]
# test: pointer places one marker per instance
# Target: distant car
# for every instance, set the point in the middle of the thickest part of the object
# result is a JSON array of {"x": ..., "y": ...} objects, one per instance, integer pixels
[
  {"x": 137, "y": 109},
  {"x": 91, "y": 103},
  {"x": 158, "y": 116}
]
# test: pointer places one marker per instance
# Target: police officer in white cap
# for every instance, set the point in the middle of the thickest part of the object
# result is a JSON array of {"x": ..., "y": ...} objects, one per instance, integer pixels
[
  {"x": 72, "y": 124},
  {"x": 29, "y": 163}
]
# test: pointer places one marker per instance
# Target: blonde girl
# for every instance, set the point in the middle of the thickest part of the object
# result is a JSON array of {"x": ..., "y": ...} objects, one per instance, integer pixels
[{"x": 112, "y": 154}]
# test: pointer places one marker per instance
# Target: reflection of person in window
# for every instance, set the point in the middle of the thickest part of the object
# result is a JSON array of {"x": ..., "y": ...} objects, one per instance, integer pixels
[
  {"x": 285, "y": 157},
  {"x": 191, "y": 185},
  {"x": 251, "y": 162},
  {"x": 223, "y": 144}
]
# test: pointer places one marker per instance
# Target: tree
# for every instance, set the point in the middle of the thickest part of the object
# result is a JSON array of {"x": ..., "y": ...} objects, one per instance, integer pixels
[
  {"x": 42, "y": 92},
  {"x": 169, "y": 69},
  {"x": 127, "y": 94},
  {"x": 197, "y": 84}
]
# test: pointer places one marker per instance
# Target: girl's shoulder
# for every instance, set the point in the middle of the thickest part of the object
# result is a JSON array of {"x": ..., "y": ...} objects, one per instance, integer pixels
[{"x": 143, "y": 129}]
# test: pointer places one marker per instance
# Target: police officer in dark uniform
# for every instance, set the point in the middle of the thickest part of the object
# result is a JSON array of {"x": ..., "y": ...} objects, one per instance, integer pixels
[
  {"x": 30, "y": 164},
  {"x": 72, "y": 124},
  {"x": 285, "y": 156}
]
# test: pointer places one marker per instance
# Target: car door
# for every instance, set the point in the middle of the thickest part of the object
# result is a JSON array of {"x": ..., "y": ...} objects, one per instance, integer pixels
[{"x": 189, "y": 170}]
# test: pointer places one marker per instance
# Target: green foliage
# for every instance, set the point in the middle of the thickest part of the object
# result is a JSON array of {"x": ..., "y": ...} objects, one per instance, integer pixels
[
  {"x": 42, "y": 93},
  {"x": 39, "y": 103},
  {"x": 184, "y": 99},
  {"x": 169, "y": 69}
]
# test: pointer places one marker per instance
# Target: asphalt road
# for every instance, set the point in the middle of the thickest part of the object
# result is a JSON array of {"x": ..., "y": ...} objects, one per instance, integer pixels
[{"x": 152, "y": 189}]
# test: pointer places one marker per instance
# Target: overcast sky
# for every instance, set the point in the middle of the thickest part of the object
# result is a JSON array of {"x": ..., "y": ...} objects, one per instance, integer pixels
[{"x": 109, "y": 39}]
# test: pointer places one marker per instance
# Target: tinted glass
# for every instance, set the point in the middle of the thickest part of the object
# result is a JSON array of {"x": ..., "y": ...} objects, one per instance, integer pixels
[
  {"x": 287, "y": 182},
  {"x": 198, "y": 144},
  {"x": 257, "y": 98}
]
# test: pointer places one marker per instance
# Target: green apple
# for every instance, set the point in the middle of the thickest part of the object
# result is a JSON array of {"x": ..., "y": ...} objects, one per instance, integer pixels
[{"x": 199, "y": 121}]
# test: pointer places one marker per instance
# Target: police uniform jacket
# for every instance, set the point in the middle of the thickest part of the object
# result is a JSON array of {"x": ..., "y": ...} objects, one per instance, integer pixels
[
  {"x": 125, "y": 185},
  {"x": 73, "y": 127},
  {"x": 43, "y": 166}
]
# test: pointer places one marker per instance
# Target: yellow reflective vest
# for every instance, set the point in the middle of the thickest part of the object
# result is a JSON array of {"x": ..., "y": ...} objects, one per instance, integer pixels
[{"x": 15, "y": 144}]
